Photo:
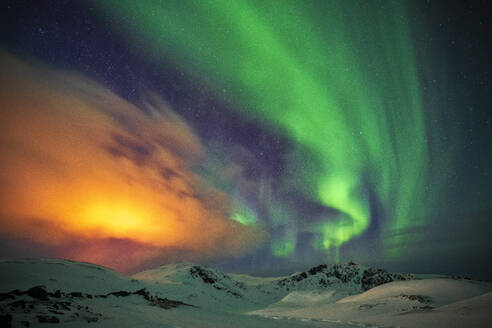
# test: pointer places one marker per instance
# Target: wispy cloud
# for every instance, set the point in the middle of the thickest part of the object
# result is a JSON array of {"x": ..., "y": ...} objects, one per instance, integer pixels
[{"x": 92, "y": 177}]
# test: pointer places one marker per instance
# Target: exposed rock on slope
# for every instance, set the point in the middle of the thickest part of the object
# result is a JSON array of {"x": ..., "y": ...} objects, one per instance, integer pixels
[
  {"x": 209, "y": 287},
  {"x": 199, "y": 285},
  {"x": 348, "y": 276},
  {"x": 47, "y": 307}
]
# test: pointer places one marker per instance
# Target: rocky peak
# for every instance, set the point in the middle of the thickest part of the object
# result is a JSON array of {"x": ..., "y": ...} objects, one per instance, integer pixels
[
  {"x": 217, "y": 280},
  {"x": 349, "y": 274}
]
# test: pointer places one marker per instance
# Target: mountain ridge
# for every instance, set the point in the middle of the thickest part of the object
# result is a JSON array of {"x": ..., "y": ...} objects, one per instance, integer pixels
[{"x": 37, "y": 291}]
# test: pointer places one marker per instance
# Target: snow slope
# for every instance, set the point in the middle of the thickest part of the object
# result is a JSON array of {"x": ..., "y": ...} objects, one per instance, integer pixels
[
  {"x": 74, "y": 294},
  {"x": 52, "y": 292},
  {"x": 441, "y": 302},
  {"x": 201, "y": 286},
  {"x": 336, "y": 281},
  {"x": 62, "y": 274},
  {"x": 209, "y": 288}
]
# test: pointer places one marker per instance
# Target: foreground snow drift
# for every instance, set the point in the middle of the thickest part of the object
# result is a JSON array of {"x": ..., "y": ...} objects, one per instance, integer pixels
[{"x": 442, "y": 302}]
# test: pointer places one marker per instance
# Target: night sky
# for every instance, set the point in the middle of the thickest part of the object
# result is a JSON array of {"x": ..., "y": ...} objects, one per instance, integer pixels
[{"x": 261, "y": 137}]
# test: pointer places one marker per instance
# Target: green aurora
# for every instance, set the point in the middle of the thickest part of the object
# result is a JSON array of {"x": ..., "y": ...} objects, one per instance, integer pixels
[{"x": 339, "y": 78}]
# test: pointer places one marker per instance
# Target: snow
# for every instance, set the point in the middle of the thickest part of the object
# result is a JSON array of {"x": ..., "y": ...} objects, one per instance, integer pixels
[
  {"x": 413, "y": 303},
  {"x": 191, "y": 295},
  {"x": 201, "y": 286},
  {"x": 442, "y": 291},
  {"x": 62, "y": 274},
  {"x": 254, "y": 281}
]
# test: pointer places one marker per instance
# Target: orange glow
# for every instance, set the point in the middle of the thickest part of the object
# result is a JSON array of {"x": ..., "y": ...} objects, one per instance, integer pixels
[
  {"x": 80, "y": 164},
  {"x": 117, "y": 218}
]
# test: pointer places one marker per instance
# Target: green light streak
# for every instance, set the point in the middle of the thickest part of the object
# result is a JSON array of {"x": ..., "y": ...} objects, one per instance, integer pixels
[
  {"x": 338, "y": 77},
  {"x": 283, "y": 248},
  {"x": 244, "y": 219}
]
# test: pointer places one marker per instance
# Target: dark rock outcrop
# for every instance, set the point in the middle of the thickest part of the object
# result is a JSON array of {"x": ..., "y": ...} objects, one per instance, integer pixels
[
  {"x": 350, "y": 273},
  {"x": 50, "y": 307},
  {"x": 38, "y": 292}
]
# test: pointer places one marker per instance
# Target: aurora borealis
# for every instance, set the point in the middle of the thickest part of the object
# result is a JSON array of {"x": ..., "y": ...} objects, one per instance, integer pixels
[
  {"x": 246, "y": 133},
  {"x": 330, "y": 96}
]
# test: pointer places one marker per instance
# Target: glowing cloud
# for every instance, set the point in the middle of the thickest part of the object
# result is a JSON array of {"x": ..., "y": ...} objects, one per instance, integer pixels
[{"x": 81, "y": 167}]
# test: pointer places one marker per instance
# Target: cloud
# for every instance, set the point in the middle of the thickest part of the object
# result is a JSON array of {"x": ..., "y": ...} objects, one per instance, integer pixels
[{"x": 89, "y": 175}]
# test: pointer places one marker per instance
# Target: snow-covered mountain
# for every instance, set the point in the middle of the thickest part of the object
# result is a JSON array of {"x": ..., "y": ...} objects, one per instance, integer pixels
[
  {"x": 200, "y": 285},
  {"x": 37, "y": 292},
  {"x": 350, "y": 278},
  {"x": 209, "y": 287},
  {"x": 64, "y": 275}
]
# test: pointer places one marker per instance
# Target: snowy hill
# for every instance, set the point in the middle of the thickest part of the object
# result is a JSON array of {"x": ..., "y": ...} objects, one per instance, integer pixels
[
  {"x": 411, "y": 303},
  {"x": 341, "y": 279},
  {"x": 64, "y": 275},
  {"x": 51, "y": 291},
  {"x": 209, "y": 287},
  {"x": 199, "y": 285}
]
